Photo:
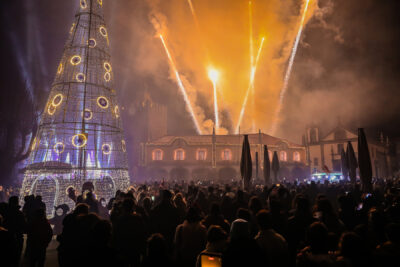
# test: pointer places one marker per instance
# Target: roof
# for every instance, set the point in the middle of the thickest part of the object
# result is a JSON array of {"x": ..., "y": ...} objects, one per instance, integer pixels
[{"x": 223, "y": 139}]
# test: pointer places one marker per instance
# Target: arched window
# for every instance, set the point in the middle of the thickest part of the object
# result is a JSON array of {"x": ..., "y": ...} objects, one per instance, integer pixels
[
  {"x": 226, "y": 154},
  {"x": 179, "y": 154},
  {"x": 201, "y": 154},
  {"x": 296, "y": 156},
  {"x": 283, "y": 156},
  {"x": 157, "y": 154}
]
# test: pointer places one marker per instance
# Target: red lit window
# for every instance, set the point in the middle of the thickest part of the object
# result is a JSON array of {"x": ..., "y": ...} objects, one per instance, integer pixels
[
  {"x": 201, "y": 154},
  {"x": 296, "y": 156},
  {"x": 283, "y": 156},
  {"x": 226, "y": 154},
  {"x": 179, "y": 154},
  {"x": 157, "y": 154}
]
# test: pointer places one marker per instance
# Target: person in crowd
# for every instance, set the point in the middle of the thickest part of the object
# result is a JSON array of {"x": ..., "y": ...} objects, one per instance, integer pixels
[
  {"x": 165, "y": 218},
  {"x": 242, "y": 250},
  {"x": 273, "y": 245},
  {"x": 129, "y": 235},
  {"x": 39, "y": 234},
  {"x": 180, "y": 204},
  {"x": 327, "y": 215},
  {"x": 157, "y": 252},
  {"x": 297, "y": 226},
  {"x": 388, "y": 253},
  {"x": 316, "y": 252},
  {"x": 352, "y": 252},
  {"x": 3, "y": 195},
  {"x": 216, "y": 218},
  {"x": 91, "y": 201},
  {"x": 57, "y": 221},
  {"x": 14, "y": 222},
  {"x": 69, "y": 237},
  {"x": 8, "y": 247},
  {"x": 104, "y": 213},
  {"x": 216, "y": 242},
  {"x": 190, "y": 238}
]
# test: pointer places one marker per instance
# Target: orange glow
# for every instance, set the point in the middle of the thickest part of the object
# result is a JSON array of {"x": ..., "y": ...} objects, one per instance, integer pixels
[{"x": 232, "y": 31}]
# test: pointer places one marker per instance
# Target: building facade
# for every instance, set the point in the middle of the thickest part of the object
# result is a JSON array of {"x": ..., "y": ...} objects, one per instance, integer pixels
[
  {"x": 217, "y": 157},
  {"x": 324, "y": 151}
]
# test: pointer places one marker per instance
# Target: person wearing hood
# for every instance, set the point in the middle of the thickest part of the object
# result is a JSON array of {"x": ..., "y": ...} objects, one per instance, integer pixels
[{"x": 242, "y": 250}]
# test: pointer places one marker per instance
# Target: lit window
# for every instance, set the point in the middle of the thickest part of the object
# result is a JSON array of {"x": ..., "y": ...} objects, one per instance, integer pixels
[
  {"x": 283, "y": 156},
  {"x": 201, "y": 154},
  {"x": 157, "y": 154},
  {"x": 226, "y": 154},
  {"x": 179, "y": 154},
  {"x": 296, "y": 156}
]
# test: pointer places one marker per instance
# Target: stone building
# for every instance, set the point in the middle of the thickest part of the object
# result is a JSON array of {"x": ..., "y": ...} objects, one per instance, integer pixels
[
  {"x": 216, "y": 157},
  {"x": 324, "y": 151}
]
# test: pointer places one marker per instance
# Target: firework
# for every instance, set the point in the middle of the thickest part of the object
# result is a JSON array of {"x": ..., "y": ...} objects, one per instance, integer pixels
[
  {"x": 251, "y": 85},
  {"x": 213, "y": 75},
  {"x": 289, "y": 69},
  {"x": 181, "y": 87}
]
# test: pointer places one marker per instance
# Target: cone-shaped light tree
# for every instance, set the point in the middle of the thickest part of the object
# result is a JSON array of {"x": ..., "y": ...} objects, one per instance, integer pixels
[
  {"x": 275, "y": 166},
  {"x": 80, "y": 140},
  {"x": 352, "y": 162},
  {"x": 246, "y": 165},
  {"x": 364, "y": 161},
  {"x": 267, "y": 166}
]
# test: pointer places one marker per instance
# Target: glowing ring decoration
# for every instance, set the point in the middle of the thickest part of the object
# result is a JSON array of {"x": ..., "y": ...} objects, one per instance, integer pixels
[
  {"x": 80, "y": 77},
  {"x": 59, "y": 147},
  {"x": 83, "y": 4},
  {"x": 106, "y": 148},
  {"x": 51, "y": 110},
  {"x": 107, "y": 66},
  {"x": 92, "y": 43},
  {"x": 79, "y": 140},
  {"x": 102, "y": 102},
  {"x": 100, "y": 2},
  {"x": 57, "y": 100},
  {"x": 87, "y": 114},
  {"x": 103, "y": 31},
  {"x": 107, "y": 76},
  {"x": 116, "y": 111},
  {"x": 123, "y": 145},
  {"x": 75, "y": 60},
  {"x": 60, "y": 68}
]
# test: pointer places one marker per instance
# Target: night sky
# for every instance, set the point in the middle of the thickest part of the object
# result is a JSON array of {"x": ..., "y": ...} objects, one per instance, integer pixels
[{"x": 347, "y": 65}]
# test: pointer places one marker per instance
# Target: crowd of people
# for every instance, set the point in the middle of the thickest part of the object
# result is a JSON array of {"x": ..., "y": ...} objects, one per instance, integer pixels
[{"x": 177, "y": 224}]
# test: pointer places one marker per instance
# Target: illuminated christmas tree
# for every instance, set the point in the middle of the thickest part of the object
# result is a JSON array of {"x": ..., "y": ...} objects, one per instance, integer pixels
[{"x": 80, "y": 143}]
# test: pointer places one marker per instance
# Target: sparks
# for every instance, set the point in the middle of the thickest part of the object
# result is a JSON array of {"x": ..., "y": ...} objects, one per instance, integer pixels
[
  {"x": 214, "y": 75},
  {"x": 181, "y": 87},
  {"x": 251, "y": 84},
  {"x": 289, "y": 69}
]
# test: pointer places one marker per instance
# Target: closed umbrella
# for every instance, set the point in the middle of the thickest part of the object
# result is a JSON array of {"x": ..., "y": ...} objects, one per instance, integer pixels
[
  {"x": 345, "y": 165},
  {"x": 352, "y": 161},
  {"x": 275, "y": 166},
  {"x": 267, "y": 166},
  {"x": 364, "y": 161},
  {"x": 246, "y": 165}
]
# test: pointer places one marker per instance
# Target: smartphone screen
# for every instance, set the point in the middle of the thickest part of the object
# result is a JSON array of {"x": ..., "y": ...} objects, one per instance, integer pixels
[{"x": 210, "y": 261}]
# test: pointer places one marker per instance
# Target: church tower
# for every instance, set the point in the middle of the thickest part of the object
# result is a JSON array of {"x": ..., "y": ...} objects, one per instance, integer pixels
[{"x": 80, "y": 142}]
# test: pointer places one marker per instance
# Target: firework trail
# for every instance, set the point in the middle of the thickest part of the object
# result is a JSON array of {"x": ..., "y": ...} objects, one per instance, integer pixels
[
  {"x": 251, "y": 84},
  {"x": 213, "y": 75},
  {"x": 289, "y": 69},
  {"x": 181, "y": 87}
]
